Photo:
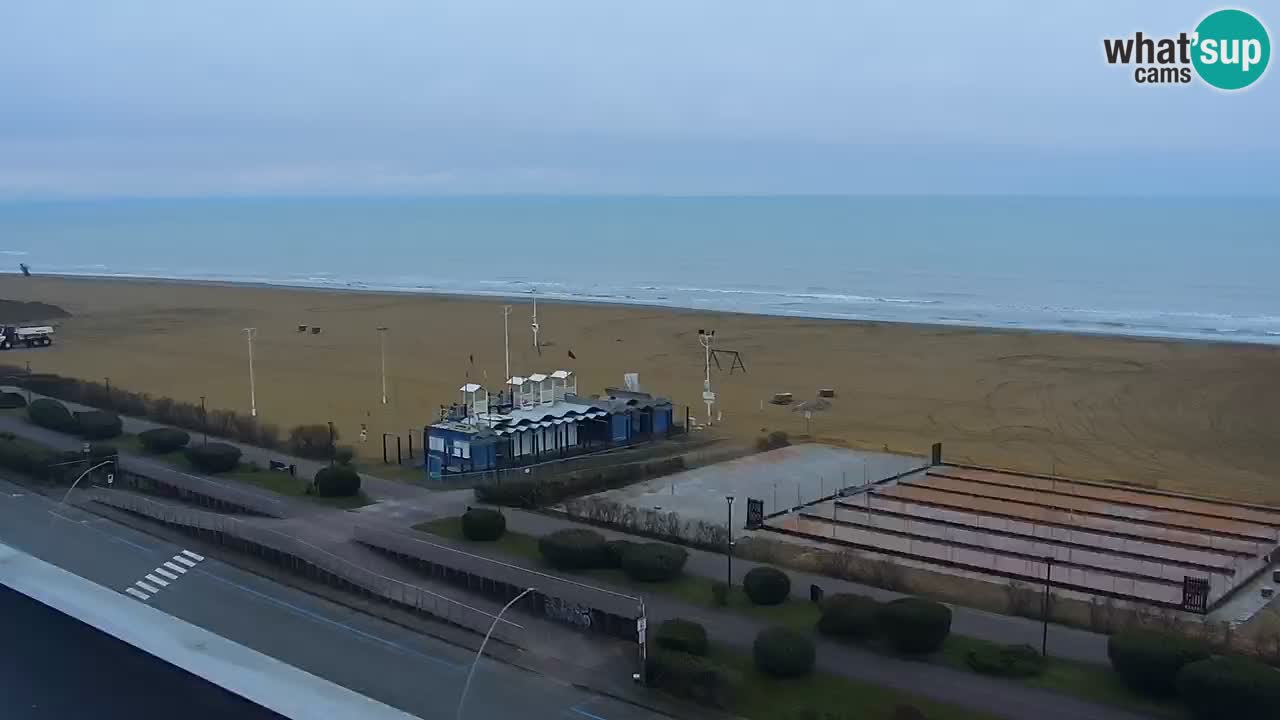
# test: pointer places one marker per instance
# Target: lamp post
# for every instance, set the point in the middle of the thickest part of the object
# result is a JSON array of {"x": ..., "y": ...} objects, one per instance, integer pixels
[
  {"x": 1048, "y": 574},
  {"x": 382, "y": 344},
  {"x": 204, "y": 421},
  {"x": 28, "y": 382},
  {"x": 253, "y": 399},
  {"x": 462, "y": 699},
  {"x": 333, "y": 450},
  {"x": 729, "y": 551}
]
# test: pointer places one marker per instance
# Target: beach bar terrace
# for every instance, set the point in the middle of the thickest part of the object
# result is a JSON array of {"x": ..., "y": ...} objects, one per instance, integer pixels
[{"x": 536, "y": 419}]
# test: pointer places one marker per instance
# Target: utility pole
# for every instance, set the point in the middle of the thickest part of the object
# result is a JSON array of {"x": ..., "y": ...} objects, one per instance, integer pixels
[
  {"x": 1048, "y": 575},
  {"x": 382, "y": 344},
  {"x": 729, "y": 550},
  {"x": 204, "y": 421},
  {"x": 253, "y": 397},
  {"x": 333, "y": 450},
  {"x": 506, "y": 340}
]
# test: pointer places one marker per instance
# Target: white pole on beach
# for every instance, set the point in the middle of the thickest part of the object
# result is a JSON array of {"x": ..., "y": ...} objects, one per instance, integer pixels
[
  {"x": 506, "y": 339},
  {"x": 253, "y": 398},
  {"x": 382, "y": 345}
]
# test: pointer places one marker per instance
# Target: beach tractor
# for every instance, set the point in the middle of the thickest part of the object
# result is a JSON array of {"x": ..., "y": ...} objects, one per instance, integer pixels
[{"x": 33, "y": 336}]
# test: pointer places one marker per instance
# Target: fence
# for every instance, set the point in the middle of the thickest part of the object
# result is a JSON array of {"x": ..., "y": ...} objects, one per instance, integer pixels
[{"x": 223, "y": 528}]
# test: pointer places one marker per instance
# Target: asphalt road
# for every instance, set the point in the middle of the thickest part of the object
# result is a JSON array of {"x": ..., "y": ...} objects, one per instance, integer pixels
[{"x": 396, "y": 666}]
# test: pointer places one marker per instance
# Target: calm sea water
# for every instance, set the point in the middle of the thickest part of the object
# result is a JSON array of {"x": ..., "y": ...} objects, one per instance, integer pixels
[{"x": 1157, "y": 267}]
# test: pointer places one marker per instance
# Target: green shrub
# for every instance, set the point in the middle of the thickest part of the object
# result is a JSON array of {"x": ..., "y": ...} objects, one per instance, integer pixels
[
  {"x": 520, "y": 493},
  {"x": 26, "y": 458},
  {"x": 783, "y": 652},
  {"x": 573, "y": 549},
  {"x": 163, "y": 440},
  {"x": 344, "y": 454},
  {"x": 766, "y": 586},
  {"x": 102, "y": 451},
  {"x": 915, "y": 626},
  {"x": 12, "y": 400},
  {"x": 615, "y": 550},
  {"x": 681, "y": 635},
  {"x": 1019, "y": 661},
  {"x": 214, "y": 457},
  {"x": 312, "y": 441},
  {"x": 483, "y": 524},
  {"x": 720, "y": 593},
  {"x": 654, "y": 562},
  {"x": 528, "y": 492},
  {"x": 1149, "y": 660},
  {"x": 848, "y": 616},
  {"x": 907, "y": 712},
  {"x": 773, "y": 441},
  {"x": 1230, "y": 687},
  {"x": 99, "y": 425},
  {"x": 52, "y": 414},
  {"x": 692, "y": 677},
  {"x": 341, "y": 481}
]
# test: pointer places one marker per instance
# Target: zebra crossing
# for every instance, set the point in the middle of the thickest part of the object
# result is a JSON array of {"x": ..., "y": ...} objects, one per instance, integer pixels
[{"x": 164, "y": 575}]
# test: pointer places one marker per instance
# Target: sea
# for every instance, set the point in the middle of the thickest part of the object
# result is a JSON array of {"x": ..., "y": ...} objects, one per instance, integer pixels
[{"x": 1201, "y": 268}]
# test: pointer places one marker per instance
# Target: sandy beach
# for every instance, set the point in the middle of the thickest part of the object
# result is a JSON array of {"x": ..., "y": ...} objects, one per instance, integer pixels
[{"x": 1186, "y": 416}]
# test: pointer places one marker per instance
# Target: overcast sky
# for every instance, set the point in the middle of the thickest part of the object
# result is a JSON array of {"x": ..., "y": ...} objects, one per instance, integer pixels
[{"x": 374, "y": 97}]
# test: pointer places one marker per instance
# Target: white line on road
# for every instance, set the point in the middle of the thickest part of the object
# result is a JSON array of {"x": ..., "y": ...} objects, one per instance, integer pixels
[
  {"x": 166, "y": 573},
  {"x": 176, "y": 568},
  {"x": 193, "y": 556},
  {"x": 137, "y": 593},
  {"x": 157, "y": 581},
  {"x": 184, "y": 561},
  {"x": 147, "y": 587}
]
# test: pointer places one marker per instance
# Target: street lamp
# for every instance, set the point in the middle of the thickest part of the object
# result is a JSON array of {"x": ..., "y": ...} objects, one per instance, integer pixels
[
  {"x": 1048, "y": 574},
  {"x": 333, "y": 450},
  {"x": 382, "y": 344},
  {"x": 729, "y": 554},
  {"x": 253, "y": 400},
  {"x": 462, "y": 699},
  {"x": 204, "y": 421}
]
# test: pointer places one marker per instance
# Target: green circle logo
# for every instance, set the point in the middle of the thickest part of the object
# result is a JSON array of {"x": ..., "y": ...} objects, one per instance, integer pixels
[{"x": 1232, "y": 49}]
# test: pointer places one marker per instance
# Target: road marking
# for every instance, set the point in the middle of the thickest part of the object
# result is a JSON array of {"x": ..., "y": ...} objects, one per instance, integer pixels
[
  {"x": 157, "y": 581},
  {"x": 193, "y": 556},
  {"x": 184, "y": 561},
  {"x": 176, "y": 568},
  {"x": 166, "y": 573},
  {"x": 137, "y": 593},
  {"x": 147, "y": 587},
  {"x": 586, "y": 714}
]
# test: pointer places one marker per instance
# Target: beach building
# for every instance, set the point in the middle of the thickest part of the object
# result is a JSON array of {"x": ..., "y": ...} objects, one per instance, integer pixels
[{"x": 536, "y": 419}]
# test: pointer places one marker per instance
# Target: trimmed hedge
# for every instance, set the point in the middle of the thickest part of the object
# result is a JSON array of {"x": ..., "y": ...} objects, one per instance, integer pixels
[
  {"x": 681, "y": 635},
  {"x": 1149, "y": 660},
  {"x": 483, "y": 524},
  {"x": 23, "y": 457},
  {"x": 10, "y": 400},
  {"x": 848, "y": 616},
  {"x": 653, "y": 562},
  {"x": 529, "y": 492},
  {"x": 615, "y": 550},
  {"x": 312, "y": 441},
  {"x": 340, "y": 481},
  {"x": 1020, "y": 661},
  {"x": 53, "y": 415},
  {"x": 783, "y": 652},
  {"x": 915, "y": 626},
  {"x": 163, "y": 440},
  {"x": 766, "y": 586},
  {"x": 573, "y": 549},
  {"x": 99, "y": 425},
  {"x": 214, "y": 457},
  {"x": 1230, "y": 687},
  {"x": 102, "y": 451},
  {"x": 692, "y": 677}
]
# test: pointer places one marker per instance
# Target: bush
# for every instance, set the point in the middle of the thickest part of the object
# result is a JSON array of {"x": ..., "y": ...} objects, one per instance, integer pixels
[
  {"x": 26, "y": 458},
  {"x": 1229, "y": 688},
  {"x": 684, "y": 636},
  {"x": 573, "y": 549},
  {"x": 783, "y": 652},
  {"x": 344, "y": 455},
  {"x": 521, "y": 493},
  {"x": 692, "y": 677},
  {"x": 907, "y": 712},
  {"x": 1149, "y": 660},
  {"x": 720, "y": 593},
  {"x": 99, "y": 425},
  {"x": 848, "y": 616},
  {"x": 615, "y": 550},
  {"x": 766, "y": 586},
  {"x": 654, "y": 562},
  {"x": 773, "y": 441},
  {"x": 163, "y": 440},
  {"x": 528, "y": 492},
  {"x": 102, "y": 451},
  {"x": 214, "y": 457},
  {"x": 915, "y": 626},
  {"x": 342, "y": 481},
  {"x": 12, "y": 400},
  {"x": 312, "y": 441},
  {"x": 53, "y": 415},
  {"x": 483, "y": 524},
  {"x": 1019, "y": 661}
]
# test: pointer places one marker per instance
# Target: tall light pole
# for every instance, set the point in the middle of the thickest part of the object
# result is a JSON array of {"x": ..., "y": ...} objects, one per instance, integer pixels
[
  {"x": 729, "y": 550},
  {"x": 705, "y": 339},
  {"x": 382, "y": 343},
  {"x": 1048, "y": 575},
  {"x": 506, "y": 339},
  {"x": 462, "y": 699},
  {"x": 204, "y": 421},
  {"x": 253, "y": 397}
]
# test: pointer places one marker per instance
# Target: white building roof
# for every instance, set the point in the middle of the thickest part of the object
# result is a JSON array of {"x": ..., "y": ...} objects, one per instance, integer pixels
[
  {"x": 469, "y": 387},
  {"x": 537, "y": 377},
  {"x": 561, "y": 374}
]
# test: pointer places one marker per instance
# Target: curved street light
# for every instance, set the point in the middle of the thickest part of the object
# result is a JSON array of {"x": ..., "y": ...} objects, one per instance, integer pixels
[
  {"x": 85, "y": 474},
  {"x": 463, "y": 698}
]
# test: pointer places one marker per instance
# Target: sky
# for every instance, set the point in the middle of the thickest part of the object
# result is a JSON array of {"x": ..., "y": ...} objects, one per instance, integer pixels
[{"x": 128, "y": 98}]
